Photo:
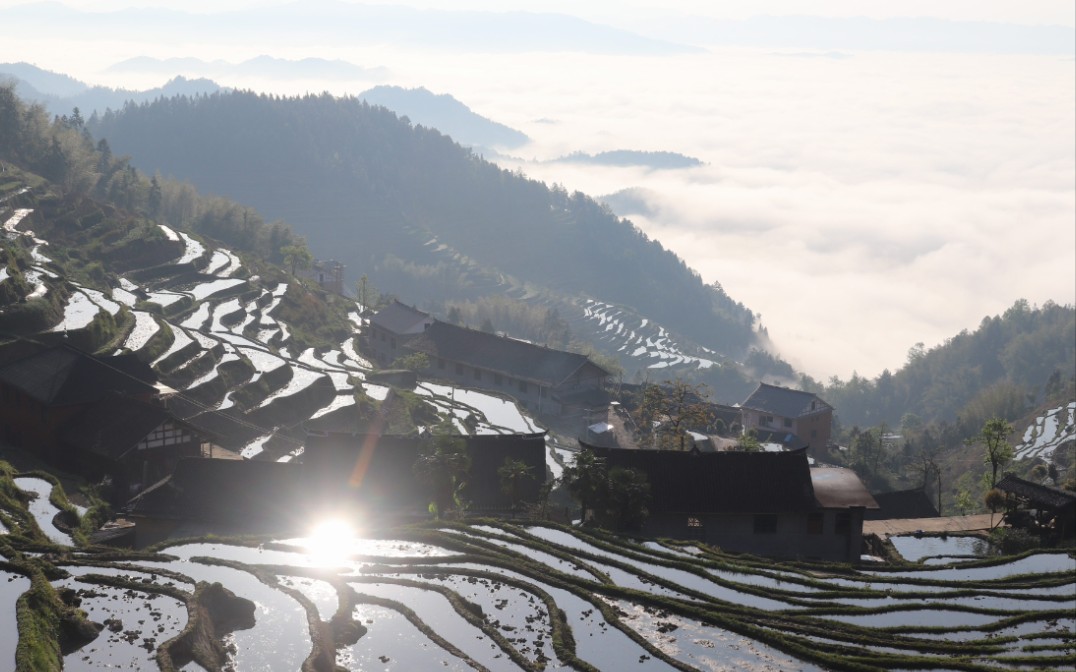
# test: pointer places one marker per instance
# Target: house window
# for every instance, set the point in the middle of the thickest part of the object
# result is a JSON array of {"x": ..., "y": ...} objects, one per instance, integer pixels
[
  {"x": 843, "y": 523},
  {"x": 459, "y": 369},
  {"x": 788, "y": 423},
  {"x": 814, "y": 523},
  {"x": 765, "y": 523},
  {"x": 814, "y": 433},
  {"x": 766, "y": 420},
  {"x": 692, "y": 521},
  {"x": 498, "y": 378}
]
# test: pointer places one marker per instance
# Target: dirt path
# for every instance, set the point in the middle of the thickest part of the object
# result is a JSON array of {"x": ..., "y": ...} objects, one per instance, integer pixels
[{"x": 974, "y": 523}]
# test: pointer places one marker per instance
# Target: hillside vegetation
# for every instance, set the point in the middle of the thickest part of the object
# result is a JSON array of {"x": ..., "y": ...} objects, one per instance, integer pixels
[
  {"x": 1010, "y": 363},
  {"x": 419, "y": 214}
]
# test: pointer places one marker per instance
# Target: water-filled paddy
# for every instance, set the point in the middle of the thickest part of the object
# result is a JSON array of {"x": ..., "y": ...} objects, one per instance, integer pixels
[
  {"x": 644, "y": 625},
  {"x": 43, "y": 510},
  {"x": 914, "y": 549}
]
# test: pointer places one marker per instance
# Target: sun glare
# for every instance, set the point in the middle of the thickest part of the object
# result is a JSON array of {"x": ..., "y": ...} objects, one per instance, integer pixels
[{"x": 331, "y": 541}]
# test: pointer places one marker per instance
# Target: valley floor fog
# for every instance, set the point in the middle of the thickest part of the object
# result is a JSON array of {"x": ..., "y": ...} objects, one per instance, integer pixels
[{"x": 861, "y": 202}]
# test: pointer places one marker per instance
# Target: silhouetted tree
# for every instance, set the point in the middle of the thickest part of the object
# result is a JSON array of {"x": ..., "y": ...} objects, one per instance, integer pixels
[
  {"x": 585, "y": 479},
  {"x": 512, "y": 474},
  {"x": 443, "y": 466},
  {"x": 994, "y": 437}
]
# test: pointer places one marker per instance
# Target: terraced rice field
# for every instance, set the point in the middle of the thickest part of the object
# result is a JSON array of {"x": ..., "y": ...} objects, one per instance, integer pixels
[
  {"x": 642, "y": 341},
  {"x": 494, "y": 596}
]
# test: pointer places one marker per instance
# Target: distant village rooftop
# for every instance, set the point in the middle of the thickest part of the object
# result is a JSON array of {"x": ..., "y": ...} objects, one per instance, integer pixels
[
  {"x": 503, "y": 354},
  {"x": 785, "y": 402},
  {"x": 401, "y": 319}
]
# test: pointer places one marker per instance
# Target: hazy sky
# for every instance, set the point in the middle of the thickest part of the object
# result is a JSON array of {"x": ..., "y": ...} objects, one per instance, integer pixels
[
  {"x": 862, "y": 201},
  {"x": 1056, "y": 12}
]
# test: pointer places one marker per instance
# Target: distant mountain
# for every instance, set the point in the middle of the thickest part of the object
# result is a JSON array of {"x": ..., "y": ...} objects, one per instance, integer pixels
[
  {"x": 628, "y": 157},
  {"x": 343, "y": 23},
  {"x": 446, "y": 114},
  {"x": 633, "y": 201},
  {"x": 43, "y": 81},
  {"x": 261, "y": 66},
  {"x": 60, "y": 93}
]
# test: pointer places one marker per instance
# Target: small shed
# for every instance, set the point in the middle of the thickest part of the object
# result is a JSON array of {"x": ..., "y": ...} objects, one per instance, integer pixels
[{"x": 1052, "y": 508}]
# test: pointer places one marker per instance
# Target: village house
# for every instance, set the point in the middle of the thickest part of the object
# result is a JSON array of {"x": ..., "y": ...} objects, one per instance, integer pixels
[
  {"x": 42, "y": 393},
  {"x": 780, "y": 410},
  {"x": 771, "y": 504},
  {"x": 391, "y": 328},
  {"x": 543, "y": 380},
  {"x": 98, "y": 416},
  {"x": 911, "y": 503},
  {"x": 328, "y": 273}
]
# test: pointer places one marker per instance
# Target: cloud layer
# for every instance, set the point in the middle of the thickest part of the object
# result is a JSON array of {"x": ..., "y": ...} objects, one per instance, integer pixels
[{"x": 861, "y": 205}]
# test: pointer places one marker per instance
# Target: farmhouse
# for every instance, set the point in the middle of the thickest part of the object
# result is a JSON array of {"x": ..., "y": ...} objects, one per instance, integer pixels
[
  {"x": 783, "y": 410},
  {"x": 771, "y": 504},
  {"x": 328, "y": 273},
  {"x": 100, "y": 416},
  {"x": 391, "y": 328},
  {"x": 43, "y": 392},
  {"x": 544, "y": 380},
  {"x": 912, "y": 503}
]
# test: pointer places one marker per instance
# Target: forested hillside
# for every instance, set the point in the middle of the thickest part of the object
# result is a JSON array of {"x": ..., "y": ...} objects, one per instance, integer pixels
[
  {"x": 1007, "y": 365},
  {"x": 417, "y": 213},
  {"x": 923, "y": 424}
]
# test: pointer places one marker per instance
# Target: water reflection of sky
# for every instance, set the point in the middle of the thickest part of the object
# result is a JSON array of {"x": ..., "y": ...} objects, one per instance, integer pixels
[
  {"x": 147, "y": 620},
  {"x": 1040, "y": 563},
  {"x": 11, "y": 587},
  {"x": 42, "y": 509},
  {"x": 280, "y": 639},
  {"x": 914, "y": 548}
]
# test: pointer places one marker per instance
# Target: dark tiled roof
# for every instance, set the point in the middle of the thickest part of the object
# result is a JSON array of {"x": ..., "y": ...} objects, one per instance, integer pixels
[
  {"x": 114, "y": 426},
  {"x": 400, "y": 319},
  {"x": 1039, "y": 495},
  {"x": 65, "y": 375},
  {"x": 223, "y": 427},
  {"x": 783, "y": 401},
  {"x": 914, "y": 503},
  {"x": 501, "y": 354},
  {"x": 721, "y": 482},
  {"x": 838, "y": 488}
]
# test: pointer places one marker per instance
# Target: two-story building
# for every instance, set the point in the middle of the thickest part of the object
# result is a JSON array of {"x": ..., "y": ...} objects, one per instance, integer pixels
[
  {"x": 391, "y": 328},
  {"x": 781, "y": 410},
  {"x": 98, "y": 416}
]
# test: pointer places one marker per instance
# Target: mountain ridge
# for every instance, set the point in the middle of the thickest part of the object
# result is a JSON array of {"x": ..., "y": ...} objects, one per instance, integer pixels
[{"x": 371, "y": 190}]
